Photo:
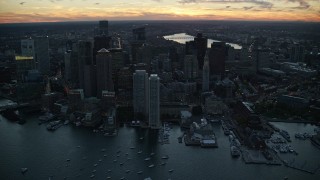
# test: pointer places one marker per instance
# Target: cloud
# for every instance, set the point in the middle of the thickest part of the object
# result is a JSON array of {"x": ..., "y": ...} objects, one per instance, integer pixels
[
  {"x": 261, "y": 3},
  {"x": 247, "y": 8},
  {"x": 302, "y": 4}
]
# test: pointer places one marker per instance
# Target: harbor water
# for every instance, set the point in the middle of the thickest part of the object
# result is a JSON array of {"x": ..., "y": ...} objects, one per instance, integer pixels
[{"x": 78, "y": 153}]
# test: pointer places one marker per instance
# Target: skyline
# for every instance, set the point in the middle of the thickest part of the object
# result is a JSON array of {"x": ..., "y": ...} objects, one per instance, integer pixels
[{"x": 88, "y": 10}]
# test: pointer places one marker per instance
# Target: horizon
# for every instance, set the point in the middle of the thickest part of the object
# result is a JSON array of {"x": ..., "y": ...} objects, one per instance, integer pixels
[{"x": 31, "y": 11}]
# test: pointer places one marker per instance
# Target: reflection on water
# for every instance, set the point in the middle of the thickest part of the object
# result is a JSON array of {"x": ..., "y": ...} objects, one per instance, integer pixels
[{"x": 182, "y": 38}]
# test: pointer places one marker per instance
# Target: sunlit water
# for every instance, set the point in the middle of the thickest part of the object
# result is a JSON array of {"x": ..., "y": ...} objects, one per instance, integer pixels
[
  {"x": 45, "y": 154},
  {"x": 182, "y": 38}
]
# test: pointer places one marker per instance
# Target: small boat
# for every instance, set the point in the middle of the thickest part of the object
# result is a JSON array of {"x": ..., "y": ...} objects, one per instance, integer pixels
[
  {"x": 141, "y": 138},
  {"x": 104, "y": 155},
  {"x": 162, "y": 164},
  {"x": 139, "y": 172},
  {"x": 24, "y": 170},
  {"x": 108, "y": 177},
  {"x": 95, "y": 165},
  {"x": 92, "y": 176},
  {"x": 151, "y": 166},
  {"x": 139, "y": 152},
  {"x": 109, "y": 170},
  {"x": 118, "y": 155},
  {"x": 100, "y": 160},
  {"x": 122, "y": 178},
  {"x": 103, "y": 150},
  {"x": 115, "y": 160},
  {"x": 147, "y": 159},
  {"x": 171, "y": 170},
  {"x": 151, "y": 154},
  {"x": 165, "y": 157},
  {"x": 127, "y": 171},
  {"x": 94, "y": 171}
]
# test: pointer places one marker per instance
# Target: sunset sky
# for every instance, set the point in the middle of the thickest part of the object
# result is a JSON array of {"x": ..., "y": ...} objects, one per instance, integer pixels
[{"x": 14, "y": 11}]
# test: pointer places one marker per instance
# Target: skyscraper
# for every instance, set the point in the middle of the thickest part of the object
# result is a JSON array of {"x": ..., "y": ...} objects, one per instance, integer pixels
[
  {"x": 140, "y": 94},
  {"x": 217, "y": 58},
  {"x": 206, "y": 74},
  {"x": 104, "y": 27},
  {"x": 101, "y": 41},
  {"x": 87, "y": 70},
  {"x": 42, "y": 54},
  {"x": 190, "y": 67},
  {"x": 201, "y": 44},
  {"x": 104, "y": 72},
  {"x": 38, "y": 48},
  {"x": 27, "y": 47},
  {"x": 154, "y": 102}
]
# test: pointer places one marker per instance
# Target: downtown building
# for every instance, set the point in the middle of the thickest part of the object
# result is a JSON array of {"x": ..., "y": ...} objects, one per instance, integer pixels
[
  {"x": 104, "y": 72},
  {"x": 140, "y": 95},
  {"x": 154, "y": 102},
  {"x": 38, "y": 48},
  {"x": 206, "y": 75}
]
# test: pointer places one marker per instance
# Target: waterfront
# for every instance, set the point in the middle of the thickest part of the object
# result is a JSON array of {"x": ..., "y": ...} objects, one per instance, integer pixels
[
  {"x": 45, "y": 154},
  {"x": 182, "y": 38}
]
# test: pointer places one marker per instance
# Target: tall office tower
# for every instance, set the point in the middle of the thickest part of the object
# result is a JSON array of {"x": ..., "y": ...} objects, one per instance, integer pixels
[
  {"x": 140, "y": 95},
  {"x": 139, "y": 38},
  {"x": 42, "y": 54},
  {"x": 297, "y": 53},
  {"x": 67, "y": 67},
  {"x": 261, "y": 58},
  {"x": 71, "y": 67},
  {"x": 87, "y": 70},
  {"x": 206, "y": 74},
  {"x": 84, "y": 58},
  {"x": 201, "y": 44},
  {"x": 27, "y": 47},
  {"x": 139, "y": 34},
  {"x": 104, "y": 27},
  {"x": 100, "y": 42},
  {"x": 154, "y": 102},
  {"x": 217, "y": 58},
  {"x": 231, "y": 53},
  {"x": 244, "y": 54},
  {"x": 190, "y": 67},
  {"x": 104, "y": 72}
]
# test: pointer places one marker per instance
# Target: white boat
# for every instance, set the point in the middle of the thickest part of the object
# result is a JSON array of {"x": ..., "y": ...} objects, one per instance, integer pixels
[
  {"x": 92, "y": 176},
  {"x": 165, "y": 157},
  {"x": 171, "y": 170},
  {"x": 162, "y": 164},
  {"x": 139, "y": 152},
  {"x": 147, "y": 159},
  {"x": 151, "y": 166},
  {"x": 139, "y": 172}
]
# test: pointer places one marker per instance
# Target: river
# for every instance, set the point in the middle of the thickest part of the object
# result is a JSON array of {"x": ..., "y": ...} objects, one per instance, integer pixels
[
  {"x": 182, "y": 38},
  {"x": 45, "y": 155}
]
